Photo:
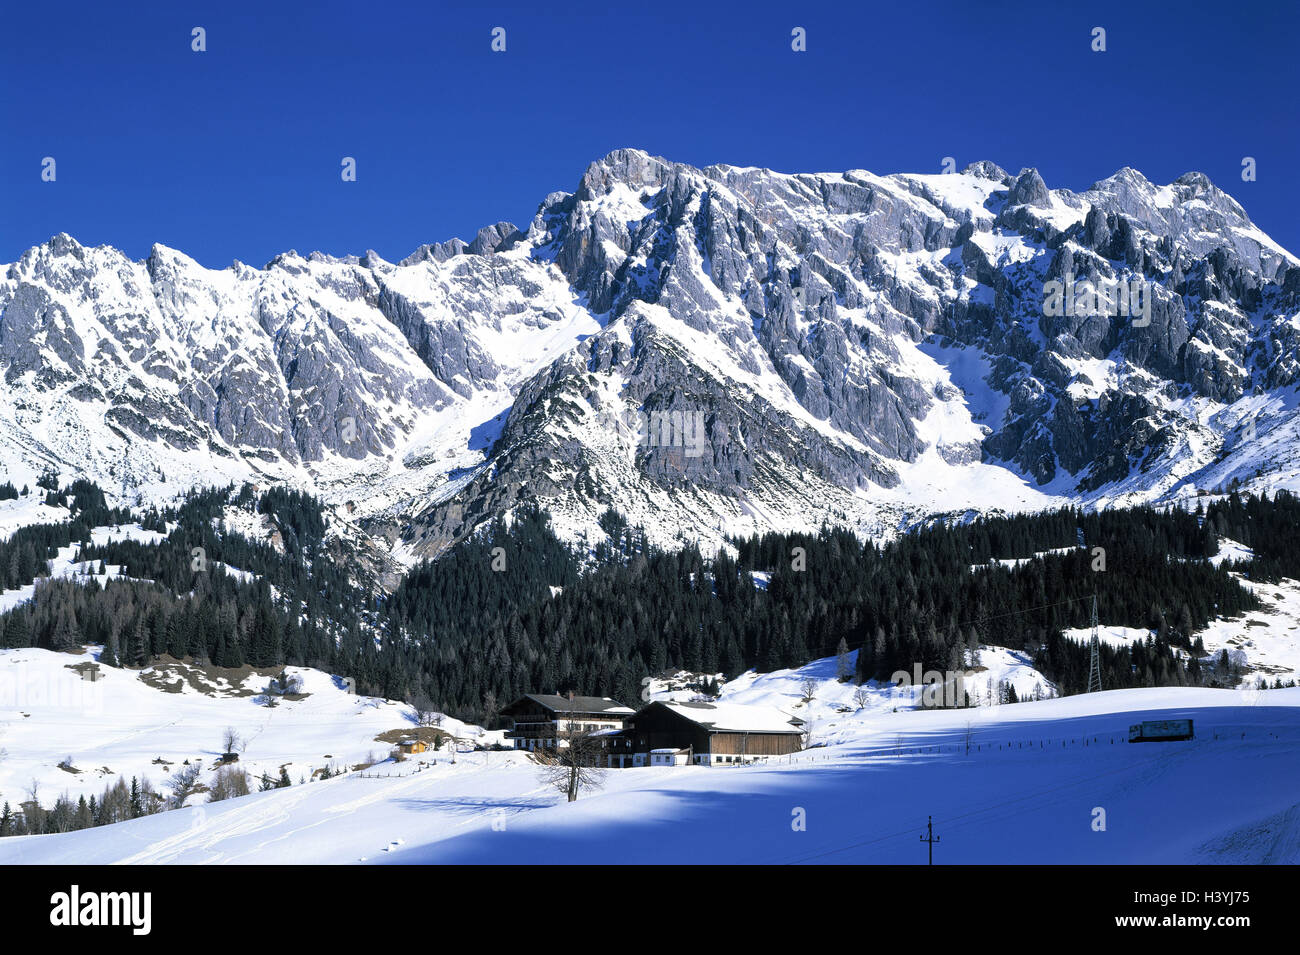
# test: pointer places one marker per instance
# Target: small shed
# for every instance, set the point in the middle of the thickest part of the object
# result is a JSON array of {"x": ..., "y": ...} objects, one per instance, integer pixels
[
  {"x": 411, "y": 745},
  {"x": 670, "y": 757}
]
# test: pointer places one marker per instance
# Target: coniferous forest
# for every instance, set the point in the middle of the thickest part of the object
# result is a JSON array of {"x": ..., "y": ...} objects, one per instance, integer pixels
[{"x": 514, "y": 609}]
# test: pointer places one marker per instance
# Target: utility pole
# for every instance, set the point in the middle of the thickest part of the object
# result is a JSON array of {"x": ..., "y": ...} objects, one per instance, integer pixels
[
  {"x": 1094, "y": 665},
  {"x": 930, "y": 837}
]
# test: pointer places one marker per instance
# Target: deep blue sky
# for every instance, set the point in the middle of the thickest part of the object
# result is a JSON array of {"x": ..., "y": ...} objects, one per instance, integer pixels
[{"x": 234, "y": 153}]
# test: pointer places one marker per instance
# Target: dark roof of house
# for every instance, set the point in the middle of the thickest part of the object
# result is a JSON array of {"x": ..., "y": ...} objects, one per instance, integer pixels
[{"x": 579, "y": 704}]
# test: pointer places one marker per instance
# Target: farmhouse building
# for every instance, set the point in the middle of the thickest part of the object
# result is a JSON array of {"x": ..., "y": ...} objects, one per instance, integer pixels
[
  {"x": 660, "y": 734},
  {"x": 712, "y": 734},
  {"x": 545, "y": 721}
]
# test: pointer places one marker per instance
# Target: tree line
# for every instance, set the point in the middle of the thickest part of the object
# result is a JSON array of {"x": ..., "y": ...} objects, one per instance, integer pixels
[{"x": 514, "y": 609}]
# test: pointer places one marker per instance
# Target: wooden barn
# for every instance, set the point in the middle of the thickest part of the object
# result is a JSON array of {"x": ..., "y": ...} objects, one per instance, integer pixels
[
  {"x": 713, "y": 733},
  {"x": 411, "y": 745}
]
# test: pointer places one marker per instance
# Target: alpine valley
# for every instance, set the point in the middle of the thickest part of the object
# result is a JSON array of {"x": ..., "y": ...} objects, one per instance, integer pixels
[{"x": 774, "y": 455}]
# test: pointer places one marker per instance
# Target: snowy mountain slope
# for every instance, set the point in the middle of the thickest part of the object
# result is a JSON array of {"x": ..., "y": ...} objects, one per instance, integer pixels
[
  {"x": 26, "y": 510},
  {"x": 837, "y": 711},
  {"x": 66, "y": 566},
  {"x": 709, "y": 351},
  {"x": 148, "y": 723},
  {"x": 1042, "y": 768}
]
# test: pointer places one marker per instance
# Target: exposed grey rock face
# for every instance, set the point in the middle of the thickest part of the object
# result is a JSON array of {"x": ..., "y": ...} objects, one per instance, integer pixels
[
  {"x": 1029, "y": 190},
  {"x": 493, "y": 238},
  {"x": 824, "y": 281},
  {"x": 819, "y": 343}
]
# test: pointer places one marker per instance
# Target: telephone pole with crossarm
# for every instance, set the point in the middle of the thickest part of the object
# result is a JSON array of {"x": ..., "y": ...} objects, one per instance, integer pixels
[{"x": 930, "y": 837}]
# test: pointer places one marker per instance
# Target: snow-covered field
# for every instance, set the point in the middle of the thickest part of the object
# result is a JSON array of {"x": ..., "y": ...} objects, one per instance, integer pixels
[
  {"x": 1035, "y": 782},
  {"x": 1010, "y": 783},
  {"x": 148, "y": 723}
]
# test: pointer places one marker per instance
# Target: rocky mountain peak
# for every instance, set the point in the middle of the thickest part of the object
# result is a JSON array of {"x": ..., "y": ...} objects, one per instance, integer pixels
[{"x": 1029, "y": 190}]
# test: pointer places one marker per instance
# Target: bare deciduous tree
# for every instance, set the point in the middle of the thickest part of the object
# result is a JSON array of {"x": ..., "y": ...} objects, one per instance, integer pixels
[
  {"x": 573, "y": 766},
  {"x": 230, "y": 782},
  {"x": 183, "y": 783},
  {"x": 425, "y": 714},
  {"x": 807, "y": 690},
  {"x": 806, "y": 734},
  {"x": 861, "y": 697},
  {"x": 230, "y": 740}
]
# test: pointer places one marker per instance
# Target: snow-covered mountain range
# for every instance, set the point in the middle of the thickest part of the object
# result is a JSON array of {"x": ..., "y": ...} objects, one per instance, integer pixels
[{"x": 708, "y": 351}]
